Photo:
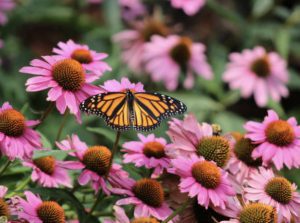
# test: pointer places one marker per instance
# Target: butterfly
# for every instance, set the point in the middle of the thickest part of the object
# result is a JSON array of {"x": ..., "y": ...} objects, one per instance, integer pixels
[{"x": 142, "y": 111}]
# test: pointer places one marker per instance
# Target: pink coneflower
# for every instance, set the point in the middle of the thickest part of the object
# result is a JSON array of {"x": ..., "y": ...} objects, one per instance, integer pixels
[
  {"x": 116, "y": 86},
  {"x": 35, "y": 210},
  {"x": 147, "y": 195},
  {"x": 241, "y": 163},
  {"x": 49, "y": 172},
  {"x": 17, "y": 139},
  {"x": 132, "y": 9},
  {"x": 263, "y": 186},
  {"x": 9, "y": 206},
  {"x": 203, "y": 179},
  {"x": 5, "y": 6},
  {"x": 90, "y": 59},
  {"x": 133, "y": 42},
  {"x": 166, "y": 58},
  {"x": 259, "y": 73},
  {"x": 121, "y": 217},
  {"x": 95, "y": 163},
  {"x": 66, "y": 78},
  {"x": 254, "y": 213},
  {"x": 278, "y": 140},
  {"x": 149, "y": 152},
  {"x": 190, "y": 137},
  {"x": 190, "y": 7}
]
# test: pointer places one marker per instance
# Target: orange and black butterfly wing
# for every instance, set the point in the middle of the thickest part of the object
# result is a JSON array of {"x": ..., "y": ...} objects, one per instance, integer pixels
[
  {"x": 112, "y": 106},
  {"x": 151, "y": 108}
]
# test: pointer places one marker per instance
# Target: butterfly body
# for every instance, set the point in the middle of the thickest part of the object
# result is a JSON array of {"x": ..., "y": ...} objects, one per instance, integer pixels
[{"x": 141, "y": 111}]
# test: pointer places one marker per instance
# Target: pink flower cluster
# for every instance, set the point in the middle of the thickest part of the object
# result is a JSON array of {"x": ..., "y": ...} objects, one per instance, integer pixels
[{"x": 207, "y": 170}]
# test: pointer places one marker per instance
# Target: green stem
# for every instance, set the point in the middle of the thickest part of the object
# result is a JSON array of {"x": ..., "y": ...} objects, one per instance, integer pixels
[
  {"x": 94, "y": 206},
  {"x": 177, "y": 211},
  {"x": 20, "y": 187},
  {"x": 113, "y": 152},
  {"x": 47, "y": 112},
  {"x": 7, "y": 164},
  {"x": 62, "y": 125},
  {"x": 23, "y": 184}
]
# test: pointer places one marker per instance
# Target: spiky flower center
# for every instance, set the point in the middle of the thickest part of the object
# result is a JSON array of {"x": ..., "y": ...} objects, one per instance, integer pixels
[
  {"x": 280, "y": 133},
  {"x": 4, "y": 209},
  {"x": 82, "y": 56},
  {"x": 280, "y": 189},
  {"x": 144, "y": 220},
  {"x": 215, "y": 148},
  {"x": 258, "y": 213},
  {"x": 261, "y": 67},
  {"x": 181, "y": 52},
  {"x": 154, "y": 149},
  {"x": 207, "y": 174},
  {"x": 243, "y": 149},
  {"x": 69, "y": 74},
  {"x": 45, "y": 164},
  {"x": 97, "y": 159},
  {"x": 12, "y": 123},
  {"x": 149, "y": 191},
  {"x": 151, "y": 28},
  {"x": 50, "y": 211}
]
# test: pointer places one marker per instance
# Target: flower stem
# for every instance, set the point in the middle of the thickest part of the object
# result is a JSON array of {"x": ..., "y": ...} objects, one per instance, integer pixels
[
  {"x": 62, "y": 125},
  {"x": 7, "y": 164},
  {"x": 23, "y": 184},
  {"x": 113, "y": 152},
  {"x": 47, "y": 112},
  {"x": 177, "y": 211},
  {"x": 94, "y": 206}
]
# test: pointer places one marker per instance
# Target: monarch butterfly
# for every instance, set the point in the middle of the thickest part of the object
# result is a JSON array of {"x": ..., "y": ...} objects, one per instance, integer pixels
[{"x": 141, "y": 111}]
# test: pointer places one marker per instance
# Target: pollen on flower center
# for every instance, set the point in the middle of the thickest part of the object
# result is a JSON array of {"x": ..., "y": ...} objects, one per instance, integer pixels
[
  {"x": 153, "y": 27},
  {"x": 12, "y": 123},
  {"x": 258, "y": 213},
  {"x": 97, "y": 159},
  {"x": 69, "y": 74},
  {"x": 45, "y": 164},
  {"x": 243, "y": 149},
  {"x": 50, "y": 211},
  {"x": 4, "y": 209},
  {"x": 215, "y": 148},
  {"x": 181, "y": 52},
  {"x": 149, "y": 191},
  {"x": 280, "y": 133},
  {"x": 261, "y": 67},
  {"x": 154, "y": 149},
  {"x": 144, "y": 220},
  {"x": 280, "y": 189},
  {"x": 82, "y": 56},
  {"x": 207, "y": 174}
]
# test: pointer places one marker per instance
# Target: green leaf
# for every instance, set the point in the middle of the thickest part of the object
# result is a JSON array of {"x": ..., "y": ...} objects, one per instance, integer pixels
[
  {"x": 277, "y": 107},
  {"x": 229, "y": 121},
  {"x": 282, "y": 42},
  {"x": 294, "y": 17},
  {"x": 196, "y": 102},
  {"x": 294, "y": 82},
  {"x": 58, "y": 154},
  {"x": 105, "y": 132},
  {"x": 45, "y": 141},
  {"x": 261, "y": 7}
]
